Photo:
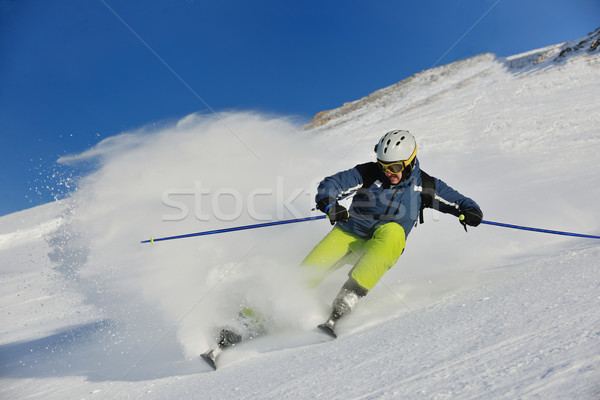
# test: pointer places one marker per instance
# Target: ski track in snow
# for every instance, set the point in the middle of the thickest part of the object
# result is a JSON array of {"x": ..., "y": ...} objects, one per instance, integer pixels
[{"x": 89, "y": 312}]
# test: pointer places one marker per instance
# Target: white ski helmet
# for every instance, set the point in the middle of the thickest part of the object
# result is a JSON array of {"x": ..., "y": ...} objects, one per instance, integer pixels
[{"x": 396, "y": 146}]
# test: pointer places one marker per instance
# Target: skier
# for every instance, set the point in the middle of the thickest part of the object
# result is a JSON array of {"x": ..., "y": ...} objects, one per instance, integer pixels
[
  {"x": 371, "y": 234},
  {"x": 388, "y": 198}
]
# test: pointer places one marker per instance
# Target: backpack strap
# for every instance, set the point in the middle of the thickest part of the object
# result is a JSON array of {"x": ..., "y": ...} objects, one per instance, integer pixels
[{"x": 427, "y": 194}]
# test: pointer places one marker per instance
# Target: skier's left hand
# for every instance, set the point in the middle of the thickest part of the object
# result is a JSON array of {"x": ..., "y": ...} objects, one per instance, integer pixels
[{"x": 471, "y": 217}]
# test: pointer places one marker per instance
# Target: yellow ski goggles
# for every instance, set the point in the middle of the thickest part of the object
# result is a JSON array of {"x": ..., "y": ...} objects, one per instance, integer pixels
[
  {"x": 394, "y": 168},
  {"x": 397, "y": 166}
]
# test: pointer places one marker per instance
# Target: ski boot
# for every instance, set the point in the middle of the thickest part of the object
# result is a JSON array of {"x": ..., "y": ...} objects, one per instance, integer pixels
[
  {"x": 345, "y": 301},
  {"x": 227, "y": 338},
  {"x": 249, "y": 325}
]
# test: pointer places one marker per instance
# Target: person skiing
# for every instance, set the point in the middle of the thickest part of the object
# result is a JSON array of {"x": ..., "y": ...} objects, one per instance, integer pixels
[{"x": 389, "y": 195}]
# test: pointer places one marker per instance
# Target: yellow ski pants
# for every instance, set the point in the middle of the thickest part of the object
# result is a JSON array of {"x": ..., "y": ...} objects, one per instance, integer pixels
[{"x": 371, "y": 257}]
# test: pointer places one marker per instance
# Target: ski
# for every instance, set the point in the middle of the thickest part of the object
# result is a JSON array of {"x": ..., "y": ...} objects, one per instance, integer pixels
[
  {"x": 227, "y": 338},
  {"x": 211, "y": 356},
  {"x": 328, "y": 327}
]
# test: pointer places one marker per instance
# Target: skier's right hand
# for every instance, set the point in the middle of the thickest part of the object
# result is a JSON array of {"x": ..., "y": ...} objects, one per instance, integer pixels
[{"x": 336, "y": 213}]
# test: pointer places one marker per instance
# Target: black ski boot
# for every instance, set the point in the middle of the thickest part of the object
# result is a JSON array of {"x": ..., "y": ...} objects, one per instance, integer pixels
[
  {"x": 227, "y": 338},
  {"x": 248, "y": 325}
]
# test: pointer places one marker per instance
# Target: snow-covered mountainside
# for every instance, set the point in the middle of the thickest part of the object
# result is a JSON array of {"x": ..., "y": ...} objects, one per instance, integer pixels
[{"x": 90, "y": 312}]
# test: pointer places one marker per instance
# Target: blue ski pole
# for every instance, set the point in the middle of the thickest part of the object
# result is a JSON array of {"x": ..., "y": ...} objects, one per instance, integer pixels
[
  {"x": 526, "y": 228},
  {"x": 236, "y": 228}
]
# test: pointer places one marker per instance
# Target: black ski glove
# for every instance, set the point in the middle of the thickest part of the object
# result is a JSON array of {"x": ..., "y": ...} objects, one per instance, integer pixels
[
  {"x": 471, "y": 217},
  {"x": 336, "y": 213}
]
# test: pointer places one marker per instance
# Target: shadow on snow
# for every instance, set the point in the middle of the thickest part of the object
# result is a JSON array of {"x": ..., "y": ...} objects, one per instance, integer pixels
[{"x": 92, "y": 350}]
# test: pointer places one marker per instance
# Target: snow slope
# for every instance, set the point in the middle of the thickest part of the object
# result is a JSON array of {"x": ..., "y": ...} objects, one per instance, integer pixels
[{"x": 89, "y": 312}]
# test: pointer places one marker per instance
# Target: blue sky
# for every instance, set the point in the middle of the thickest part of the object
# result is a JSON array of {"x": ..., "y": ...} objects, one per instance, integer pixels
[{"x": 75, "y": 72}]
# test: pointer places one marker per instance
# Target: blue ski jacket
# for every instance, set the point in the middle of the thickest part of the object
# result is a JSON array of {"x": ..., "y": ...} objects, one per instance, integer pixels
[{"x": 377, "y": 202}]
